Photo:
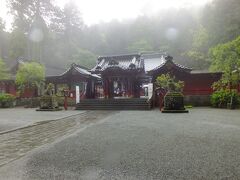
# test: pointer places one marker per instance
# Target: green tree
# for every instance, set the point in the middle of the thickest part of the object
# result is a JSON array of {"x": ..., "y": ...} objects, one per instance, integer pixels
[
  {"x": 25, "y": 12},
  {"x": 225, "y": 57},
  {"x": 30, "y": 75},
  {"x": 221, "y": 19},
  {"x": 31, "y": 19},
  {"x": 4, "y": 73},
  {"x": 198, "y": 54}
]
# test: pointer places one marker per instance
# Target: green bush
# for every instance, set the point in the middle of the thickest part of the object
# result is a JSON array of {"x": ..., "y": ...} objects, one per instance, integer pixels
[
  {"x": 7, "y": 100},
  {"x": 222, "y": 98}
]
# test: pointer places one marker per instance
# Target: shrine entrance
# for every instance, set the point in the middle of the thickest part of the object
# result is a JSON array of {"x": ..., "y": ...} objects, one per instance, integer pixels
[{"x": 120, "y": 87}]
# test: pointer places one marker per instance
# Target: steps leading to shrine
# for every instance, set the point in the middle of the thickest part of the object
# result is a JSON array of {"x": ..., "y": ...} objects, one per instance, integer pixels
[{"x": 114, "y": 104}]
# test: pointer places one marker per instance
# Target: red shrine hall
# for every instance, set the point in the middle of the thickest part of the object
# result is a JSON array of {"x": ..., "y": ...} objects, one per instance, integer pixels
[{"x": 124, "y": 77}]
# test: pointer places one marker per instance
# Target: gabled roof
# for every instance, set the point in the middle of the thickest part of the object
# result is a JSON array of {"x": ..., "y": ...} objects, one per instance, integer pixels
[
  {"x": 169, "y": 63},
  {"x": 123, "y": 62},
  {"x": 149, "y": 62},
  {"x": 152, "y": 60},
  {"x": 80, "y": 70}
]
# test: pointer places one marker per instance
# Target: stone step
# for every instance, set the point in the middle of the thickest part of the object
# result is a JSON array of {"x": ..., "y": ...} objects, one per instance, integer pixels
[{"x": 114, "y": 104}]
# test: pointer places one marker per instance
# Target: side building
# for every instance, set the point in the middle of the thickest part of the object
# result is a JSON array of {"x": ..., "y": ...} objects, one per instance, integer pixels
[{"x": 61, "y": 78}]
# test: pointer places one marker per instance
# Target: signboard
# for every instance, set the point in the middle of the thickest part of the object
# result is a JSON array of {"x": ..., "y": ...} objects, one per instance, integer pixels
[
  {"x": 77, "y": 95},
  {"x": 150, "y": 90}
]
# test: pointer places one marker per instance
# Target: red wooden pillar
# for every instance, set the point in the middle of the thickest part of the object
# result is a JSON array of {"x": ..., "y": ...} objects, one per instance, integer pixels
[
  {"x": 106, "y": 88},
  {"x": 129, "y": 88}
]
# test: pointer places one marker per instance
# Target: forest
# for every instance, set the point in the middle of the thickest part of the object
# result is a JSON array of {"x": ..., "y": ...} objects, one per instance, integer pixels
[{"x": 206, "y": 38}]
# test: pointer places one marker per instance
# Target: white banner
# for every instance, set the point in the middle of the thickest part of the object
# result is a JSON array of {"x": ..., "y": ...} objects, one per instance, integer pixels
[
  {"x": 77, "y": 95},
  {"x": 150, "y": 90}
]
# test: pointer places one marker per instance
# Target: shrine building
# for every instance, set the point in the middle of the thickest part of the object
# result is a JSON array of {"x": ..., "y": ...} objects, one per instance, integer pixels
[{"x": 125, "y": 76}]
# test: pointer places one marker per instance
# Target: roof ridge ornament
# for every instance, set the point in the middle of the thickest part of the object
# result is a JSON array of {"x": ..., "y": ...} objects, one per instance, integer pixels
[
  {"x": 73, "y": 64},
  {"x": 132, "y": 65},
  {"x": 169, "y": 58}
]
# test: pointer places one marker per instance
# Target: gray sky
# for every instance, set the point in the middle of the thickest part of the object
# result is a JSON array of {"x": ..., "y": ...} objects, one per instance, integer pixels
[{"x": 95, "y": 11}]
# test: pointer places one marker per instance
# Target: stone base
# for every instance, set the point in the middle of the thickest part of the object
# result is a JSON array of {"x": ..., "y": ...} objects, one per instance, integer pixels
[
  {"x": 197, "y": 100},
  {"x": 55, "y": 109},
  {"x": 175, "y": 111}
]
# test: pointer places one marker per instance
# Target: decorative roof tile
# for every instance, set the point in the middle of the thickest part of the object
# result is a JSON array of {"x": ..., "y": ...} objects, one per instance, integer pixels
[
  {"x": 147, "y": 62},
  {"x": 168, "y": 60},
  {"x": 124, "y": 62},
  {"x": 81, "y": 70}
]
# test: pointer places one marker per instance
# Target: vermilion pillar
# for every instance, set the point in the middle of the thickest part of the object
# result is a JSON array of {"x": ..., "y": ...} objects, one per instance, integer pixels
[{"x": 106, "y": 88}]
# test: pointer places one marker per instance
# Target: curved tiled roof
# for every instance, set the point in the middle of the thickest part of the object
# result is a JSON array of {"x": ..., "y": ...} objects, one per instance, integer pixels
[
  {"x": 152, "y": 60},
  {"x": 168, "y": 60},
  {"x": 81, "y": 70},
  {"x": 124, "y": 62},
  {"x": 148, "y": 62}
]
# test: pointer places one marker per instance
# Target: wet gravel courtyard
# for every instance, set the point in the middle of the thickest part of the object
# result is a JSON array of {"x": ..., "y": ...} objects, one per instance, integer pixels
[{"x": 203, "y": 144}]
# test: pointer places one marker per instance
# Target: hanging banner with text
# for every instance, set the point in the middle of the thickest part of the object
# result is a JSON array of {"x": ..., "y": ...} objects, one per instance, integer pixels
[
  {"x": 77, "y": 95},
  {"x": 150, "y": 90}
]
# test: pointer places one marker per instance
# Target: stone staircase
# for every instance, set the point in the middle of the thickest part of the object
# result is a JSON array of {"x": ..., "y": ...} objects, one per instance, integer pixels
[{"x": 115, "y": 104}]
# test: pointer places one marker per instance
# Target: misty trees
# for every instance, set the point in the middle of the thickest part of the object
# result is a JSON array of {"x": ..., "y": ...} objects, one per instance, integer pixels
[
  {"x": 72, "y": 25},
  {"x": 58, "y": 36},
  {"x": 2, "y": 26},
  {"x": 140, "y": 46},
  {"x": 4, "y": 74},
  {"x": 198, "y": 54},
  {"x": 84, "y": 58},
  {"x": 221, "y": 19},
  {"x": 25, "y": 12},
  {"x": 30, "y": 20},
  {"x": 18, "y": 45}
]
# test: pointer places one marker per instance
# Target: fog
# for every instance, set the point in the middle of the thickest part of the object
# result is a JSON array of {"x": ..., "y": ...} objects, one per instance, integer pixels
[{"x": 58, "y": 33}]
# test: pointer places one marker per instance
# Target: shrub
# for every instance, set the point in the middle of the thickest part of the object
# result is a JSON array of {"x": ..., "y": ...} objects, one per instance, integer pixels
[
  {"x": 169, "y": 83},
  {"x": 222, "y": 97},
  {"x": 7, "y": 100}
]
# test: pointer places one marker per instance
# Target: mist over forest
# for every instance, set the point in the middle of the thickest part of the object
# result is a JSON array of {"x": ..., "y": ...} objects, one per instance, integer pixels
[{"x": 54, "y": 36}]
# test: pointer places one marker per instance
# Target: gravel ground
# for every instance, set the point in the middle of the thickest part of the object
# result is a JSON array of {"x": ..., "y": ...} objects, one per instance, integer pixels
[
  {"x": 204, "y": 144},
  {"x": 20, "y": 117}
]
